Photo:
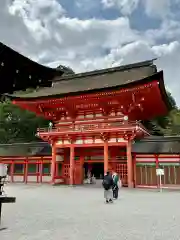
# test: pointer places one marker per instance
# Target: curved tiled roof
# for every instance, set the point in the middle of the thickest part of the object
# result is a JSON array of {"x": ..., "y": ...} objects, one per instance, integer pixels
[
  {"x": 158, "y": 144},
  {"x": 25, "y": 149},
  {"x": 149, "y": 145},
  {"x": 95, "y": 80}
]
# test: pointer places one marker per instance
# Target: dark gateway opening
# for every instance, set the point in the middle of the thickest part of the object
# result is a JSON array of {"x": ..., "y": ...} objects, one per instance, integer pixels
[{"x": 96, "y": 169}]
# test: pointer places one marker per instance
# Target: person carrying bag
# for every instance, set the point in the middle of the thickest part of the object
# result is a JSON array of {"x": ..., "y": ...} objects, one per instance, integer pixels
[
  {"x": 116, "y": 185},
  {"x": 108, "y": 185}
]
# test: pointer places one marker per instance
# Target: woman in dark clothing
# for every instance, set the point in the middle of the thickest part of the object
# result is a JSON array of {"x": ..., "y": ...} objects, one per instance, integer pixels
[{"x": 108, "y": 185}]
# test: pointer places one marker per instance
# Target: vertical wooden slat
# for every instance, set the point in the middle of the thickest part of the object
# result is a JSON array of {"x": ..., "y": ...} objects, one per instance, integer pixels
[
  {"x": 72, "y": 165},
  {"x": 129, "y": 164},
  {"x": 106, "y": 156}
]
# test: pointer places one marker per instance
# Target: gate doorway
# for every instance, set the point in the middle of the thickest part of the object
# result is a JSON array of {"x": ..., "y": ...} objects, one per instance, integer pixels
[{"x": 96, "y": 170}]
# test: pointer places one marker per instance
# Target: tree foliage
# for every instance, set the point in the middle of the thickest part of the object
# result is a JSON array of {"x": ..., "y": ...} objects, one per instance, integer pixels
[
  {"x": 173, "y": 127},
  {"x": 17, "y": 125},
  {"x": 67, "y": 70},
  {"x": 166, "y": 125}
]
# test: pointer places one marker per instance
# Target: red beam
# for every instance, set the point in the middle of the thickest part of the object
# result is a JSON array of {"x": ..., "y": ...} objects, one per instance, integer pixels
[
  {"x": 84, "y": 97},
  {"x": 118, "y": 95},
  {"x": 90, "y": 145}
]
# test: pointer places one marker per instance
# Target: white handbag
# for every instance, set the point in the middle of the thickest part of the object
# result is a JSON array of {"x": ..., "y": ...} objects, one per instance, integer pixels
[{"x": 119, "y": 183}]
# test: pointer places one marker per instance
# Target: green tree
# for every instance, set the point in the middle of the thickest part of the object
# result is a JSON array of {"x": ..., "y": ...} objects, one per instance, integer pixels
[
  {"x": 165, "y": 125},
  {"x": 173, "y": 127},
  {"x": 17, "y": 125},
  {"x": 67, "y": 70}
]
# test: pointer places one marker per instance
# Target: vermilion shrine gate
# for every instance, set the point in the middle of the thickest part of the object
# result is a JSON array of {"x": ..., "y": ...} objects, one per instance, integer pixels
[{"x": 96, "y": 117}]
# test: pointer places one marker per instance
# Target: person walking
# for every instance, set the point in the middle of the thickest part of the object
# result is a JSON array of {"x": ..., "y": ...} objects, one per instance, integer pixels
[
  {"x": 50, "y": 126},
  {"x": 89, "y": 176},
  {"x": 108, "y": 185},
  {"x": 115, "y": 185}
]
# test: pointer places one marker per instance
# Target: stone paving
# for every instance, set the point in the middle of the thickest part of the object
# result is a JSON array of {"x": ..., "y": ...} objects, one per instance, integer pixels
[{"x": 79, "y": 213}]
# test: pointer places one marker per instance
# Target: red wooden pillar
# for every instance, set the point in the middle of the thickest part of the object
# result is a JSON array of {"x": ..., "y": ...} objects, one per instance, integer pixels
[
  {"x": 41, "y": 170},
  {"x": 134, "y": 169},
  {"x": 82, "y": 169},
  {"x": 129, "y": 165},
  {"x": 157, "y": 166},
  {"x": 72, "y": 165},
  {"x": 12, "y": 171},
  {"x": 106, "y": 160},
  {"x": 57, "y": 167},
  {"x": 157, "y": 161},
  {"x": 26, "y": 171},
  {"x": 53, "y": 164},
  {"x": 37, "y": 170}
]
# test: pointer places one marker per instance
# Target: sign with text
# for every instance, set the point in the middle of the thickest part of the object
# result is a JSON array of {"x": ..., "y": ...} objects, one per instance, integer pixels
[{"x": 159, "y": 172}]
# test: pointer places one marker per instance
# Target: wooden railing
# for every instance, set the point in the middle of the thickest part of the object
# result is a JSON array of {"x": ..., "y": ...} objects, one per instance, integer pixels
[{"x": 93, "y": 127}]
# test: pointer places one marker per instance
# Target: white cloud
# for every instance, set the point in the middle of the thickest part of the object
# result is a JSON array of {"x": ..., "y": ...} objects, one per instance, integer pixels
[
  {"x": 11, "y": 27},
  {"x": 86, "y": 5},
  {"x": 153, "y": 8},
  {"x": 169, "y": 59},
  {"x": 163, "y": 9},
  {"x": 37, "y": 15},
  {"x": 157, "y": 8},
  {"x": 169, "y": 30},
  {"x": 42, "y": 30},
  {"x": 126, "y": 7}
]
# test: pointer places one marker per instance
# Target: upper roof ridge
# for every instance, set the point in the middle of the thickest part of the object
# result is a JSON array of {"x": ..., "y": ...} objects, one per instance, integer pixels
[{"x": 121, "y": 68}]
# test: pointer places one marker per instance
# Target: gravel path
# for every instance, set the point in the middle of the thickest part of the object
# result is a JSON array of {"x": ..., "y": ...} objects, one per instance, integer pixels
[{"x": 64, "y": 213}]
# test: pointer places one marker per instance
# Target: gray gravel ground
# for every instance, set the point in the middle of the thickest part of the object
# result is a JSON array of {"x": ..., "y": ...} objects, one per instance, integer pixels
[{"x": 62, "y": 213}]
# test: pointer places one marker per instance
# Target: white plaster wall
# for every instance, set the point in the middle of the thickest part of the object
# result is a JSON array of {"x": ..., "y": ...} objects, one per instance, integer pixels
[
  {"x": 46, "y": 178},
  {"x": 144, "y": 159},
  {"x": 18, "y": 178},
  {"x": 32, "y": 179}
]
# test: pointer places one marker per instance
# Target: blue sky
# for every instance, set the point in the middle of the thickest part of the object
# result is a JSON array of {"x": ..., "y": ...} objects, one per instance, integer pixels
[
  {"x": 91, "y": 34},
  {"x": 87, "y": 9}
]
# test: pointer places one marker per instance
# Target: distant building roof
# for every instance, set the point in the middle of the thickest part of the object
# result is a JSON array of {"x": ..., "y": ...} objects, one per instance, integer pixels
[
  {"x": 149, "y": 145},
  {"x": 25, "y": 149},
  {"x": 18, "y": 72}
]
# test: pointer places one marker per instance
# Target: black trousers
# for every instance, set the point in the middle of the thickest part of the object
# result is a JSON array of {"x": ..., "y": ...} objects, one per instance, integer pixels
[{"x": 115, "y": 192}]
